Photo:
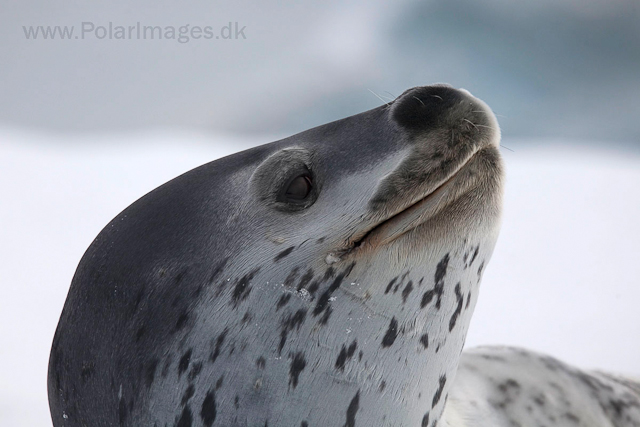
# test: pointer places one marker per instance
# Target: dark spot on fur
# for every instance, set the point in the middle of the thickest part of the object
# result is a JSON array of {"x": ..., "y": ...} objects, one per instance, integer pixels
[
  {"x": 150, "y": 372},
  {"x": 425, "y": 420},
  {"x": 406, "y": 291},
  {"x": 208, "y": 411},
  {"x": 493, "y": 357},
  {"x": 219, "y": 382},
  {"x": 182, "y": 321},
  {"x": 298, "y": 363},
  {"x": 88, "y": 369},
  {"x": 140, "y": 333},
  {"x": 572, "y": 417},
  {"x": 188, "y": 394},
  {"x": 216, "y": 272},
  {"x": 196, "y": 368},
  {"x": 424, "y": 340},
  {"x": 509, "y": 390},
  {"x": 325, "y": 317},
  {"x": 480, "y": 269},
  {"x": 184, "y": 362},
  {"x": 242, "y": 288},
  {"x": 179, "y": 277},
  {"x": 313, "y": 287},
  {"x": 288, "y": 282},
  {"x": 247, "y": 317},
  {"x": 390, "y": 285},
  {"x": 283, "y": 254},
  {"x": 284, "y": 299},
  {"x": 323, "y": 300},
  {"x": 165, "y": 368},
  {"x": 345, "y": 354},
  {"x": 456, "y": 313},
  {"x": 475, "y": 254},
  {"x": 289, "y": 323},
  {"x": 304, "y": 281},
  {"x": 218, "y": 346},
  {"x": 438, "y": 289},
  {"x": 436, "y": 397},
  {"x": 329, "y": 273},
  {"x": 236, "y": 402},
  {"x": 383, "y": 385},
  {"x": 352, "y": 410},
  {"x": 509, "y": 384},
  {"x": 304, "y": 424},
  {"x": 391, "y": 334},
  {"x": 427, "y": 297},
  {"x": 261, "y": 362}
]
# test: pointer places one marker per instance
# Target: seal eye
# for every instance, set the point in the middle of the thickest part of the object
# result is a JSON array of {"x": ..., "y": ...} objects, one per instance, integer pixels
[
  {"x": 299, "y": 187},
  {"x": 285, "y": 181}
]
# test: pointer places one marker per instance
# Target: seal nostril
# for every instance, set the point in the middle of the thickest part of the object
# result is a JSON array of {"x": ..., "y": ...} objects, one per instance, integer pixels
[{"x": 426, "y": 107}]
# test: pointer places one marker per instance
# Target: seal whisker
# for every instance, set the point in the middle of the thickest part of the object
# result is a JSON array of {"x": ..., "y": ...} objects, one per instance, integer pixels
[
  {"x": 472, "y": 124},
  {"x": 484, "y": 126},
  {"x": 392, "y": 95},
  {"x": 391, "y": 98},
  {"x": 379, "y": 97},
  {"x": 484, "y": 112}
]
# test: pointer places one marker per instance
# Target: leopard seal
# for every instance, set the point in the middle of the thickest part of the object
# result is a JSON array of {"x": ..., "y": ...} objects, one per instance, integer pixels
[{"x": 326, "y": 279}]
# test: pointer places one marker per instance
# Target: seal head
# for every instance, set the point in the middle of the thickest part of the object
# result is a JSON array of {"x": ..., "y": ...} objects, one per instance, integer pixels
[{"x": 324, "y": 279}]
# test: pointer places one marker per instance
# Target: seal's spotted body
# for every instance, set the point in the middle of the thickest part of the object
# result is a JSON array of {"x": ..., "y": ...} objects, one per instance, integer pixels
[
  {"x": 505, "y": 387},
  {"x": 326, "y": 279}
]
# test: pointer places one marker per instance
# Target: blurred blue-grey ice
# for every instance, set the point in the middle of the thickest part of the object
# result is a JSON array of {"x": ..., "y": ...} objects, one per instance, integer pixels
[{"x": 560, "y": 68}]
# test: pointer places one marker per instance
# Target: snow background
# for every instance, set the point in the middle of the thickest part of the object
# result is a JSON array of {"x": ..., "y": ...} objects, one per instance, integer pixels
[{"x": 564, "y": 278}]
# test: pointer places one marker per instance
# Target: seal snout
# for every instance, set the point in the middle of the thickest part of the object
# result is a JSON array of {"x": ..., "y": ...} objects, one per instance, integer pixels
[
  {"x": 452, "y": 141},
  {"x": 426, "y": 107},
  {"x": 436, "y": 107}
]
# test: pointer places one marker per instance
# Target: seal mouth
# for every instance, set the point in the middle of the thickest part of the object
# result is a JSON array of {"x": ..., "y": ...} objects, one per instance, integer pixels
[{"x": 407, "y": 218}]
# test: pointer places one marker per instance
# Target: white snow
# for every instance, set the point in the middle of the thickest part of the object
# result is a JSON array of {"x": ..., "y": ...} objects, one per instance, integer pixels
[{"x": 563, "y": 279}]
